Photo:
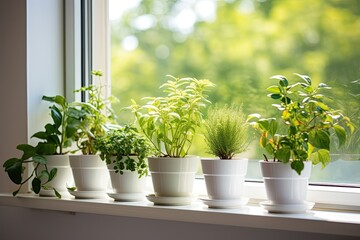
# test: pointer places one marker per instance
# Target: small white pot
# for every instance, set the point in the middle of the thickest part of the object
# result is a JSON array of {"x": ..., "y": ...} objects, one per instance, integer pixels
[
  {"x": 284, "y": 185},
  {"x": 224, "y": 178},
  {"x": 63, "y": 176},
  {"x": 128, "y": 182},
  {"x": 90, "y": 172},
  {"x": 173, "y": 177}
]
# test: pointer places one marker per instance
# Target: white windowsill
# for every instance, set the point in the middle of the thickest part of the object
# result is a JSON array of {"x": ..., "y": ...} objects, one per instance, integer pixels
[{"x": 251, "y": 216}]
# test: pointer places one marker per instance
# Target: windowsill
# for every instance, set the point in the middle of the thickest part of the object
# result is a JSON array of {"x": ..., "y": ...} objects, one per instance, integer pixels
[{"x": 250, "y": 216}]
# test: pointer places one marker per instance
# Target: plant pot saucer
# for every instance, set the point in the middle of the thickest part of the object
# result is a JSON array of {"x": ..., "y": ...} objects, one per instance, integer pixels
[
  {"x": 87, "y": 194},
  {"x": 171, "y": 201},
  {"x": 286, "y": 208},
  {"x": 127, "y": 197},
  {"x": 224, "y": 204}
]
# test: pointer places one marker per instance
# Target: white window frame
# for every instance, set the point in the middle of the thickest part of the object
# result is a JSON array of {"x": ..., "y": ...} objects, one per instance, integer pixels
[{"x": 324, "y": 196}]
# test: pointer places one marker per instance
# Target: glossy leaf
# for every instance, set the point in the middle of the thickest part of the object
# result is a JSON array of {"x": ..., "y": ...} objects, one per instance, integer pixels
[
  {"x": 341, "y": 134},
  {"x": 320, "y": 139},
  {"x": 322, "y": 156},
  {"x": 274, "y": 89},
  {"x": 305, "y": 78},
  {"x": 275, "y": 96},
  {"x": 36, "y": 185},
  {"x": 52, "y": 174},
  {"x": 298, "y": 166},
  {"x": 8, "y": 163},
  {"x": 283, "y": 154},
  {"x": 14, "y": 171},
  {"x": 56, "y": 115},
  {"x": 39, "y": 159}
]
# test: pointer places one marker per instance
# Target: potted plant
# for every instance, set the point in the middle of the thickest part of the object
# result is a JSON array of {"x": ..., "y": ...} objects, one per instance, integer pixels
[
  {"x": 226, "y": 134},
  {"x": 170, "y": 123},
  {"x": 49, "y": 156},
  {"x": 90, "y": 173},
  {"x": 125, "y": 151},
  {"x": 298, "y": 139}
]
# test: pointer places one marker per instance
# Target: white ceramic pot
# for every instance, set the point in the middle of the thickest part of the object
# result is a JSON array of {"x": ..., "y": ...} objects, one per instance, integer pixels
[
  {"x": 284, "y": 185},
  {"x": 224, "y": 178},
  {"x": 173, "y": 177},
  {"x": 90, "y": 172},
  {"x": 128, "y": 182},
  {"x": 63, "y": 176}
]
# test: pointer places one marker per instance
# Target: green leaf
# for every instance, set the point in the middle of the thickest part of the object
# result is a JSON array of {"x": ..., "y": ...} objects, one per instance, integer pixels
[
  {"x": 36, "y": 185},
  {"x": 25, "y": 147},
  {"x": 52, "y": 174},
  {"x": 46, "y": 149},
  {"x": 298, "y": 166},
  {"x": 322, "y": 156},
  {"x": 320, "y": 139},
  {"x": 274, "y": 89},
  {"x": 60, "y": 100},
  {"x": 39, "y": 159},
  {"x": 28, "y": 151},
  {"x": 283, "y": 81},
  {"x": 50, "y": 129},
  {"x": 323, "y": 85},
  {"x": 275, "y": 96},
  {"x": 8, "y": 163},
  {"x": 283, "y": 154},
  {"x": 305, "y": 78},
  {"x": 273, "y": 126},
  {"x": 71, "y": 188},
  {"x": 286, "y": 100},
  {"x": 49, "y": 99},
  {"x": 56, "y": 116},
  {"x": 14, "y": 171},
  {"x": 322, "y": 105},
  {"x": 57, "y": 194},
  {"x": 341, "y": 134},
  {"x": 40, "y": 135},
  {"x": 16, "y": 192}
]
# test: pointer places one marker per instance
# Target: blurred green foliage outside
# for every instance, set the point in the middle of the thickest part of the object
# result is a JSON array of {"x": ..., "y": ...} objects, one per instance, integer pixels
[{"x": 238, "y": 45}]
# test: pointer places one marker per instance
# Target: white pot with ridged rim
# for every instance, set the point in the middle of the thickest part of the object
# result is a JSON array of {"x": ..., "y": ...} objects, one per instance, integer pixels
[
  {"x": 284, "y": 185},
  {"x": 127, "y": 186},
  {"x": 90, "y": 173},
  {"x": 224, "y": 178},
  {"x": 173, "y": 179},
  {"x": 63, "y": 176}
]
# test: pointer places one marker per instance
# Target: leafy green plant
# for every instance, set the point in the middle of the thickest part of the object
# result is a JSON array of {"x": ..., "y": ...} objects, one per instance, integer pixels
[
  {"x": 96, "y": 115},
  {"x": 170, "y": 122},
  {"x": 56, "y": 137},
  {"x": 349, "y": 103},
  {"x": 118, "y": 145},
  {"x": 305, "y": 123},
  {"x": 226, "y": 131}
]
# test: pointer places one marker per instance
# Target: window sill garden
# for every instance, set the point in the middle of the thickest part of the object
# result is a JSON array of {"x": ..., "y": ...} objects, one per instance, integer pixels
[{"x": 318, "y": 220}]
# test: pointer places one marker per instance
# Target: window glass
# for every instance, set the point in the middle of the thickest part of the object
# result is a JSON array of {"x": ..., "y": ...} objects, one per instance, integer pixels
[{"x": 239, "y": 44}]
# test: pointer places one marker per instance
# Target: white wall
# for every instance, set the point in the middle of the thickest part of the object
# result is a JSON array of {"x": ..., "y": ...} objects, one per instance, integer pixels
[{"x": 13, "y": 88}]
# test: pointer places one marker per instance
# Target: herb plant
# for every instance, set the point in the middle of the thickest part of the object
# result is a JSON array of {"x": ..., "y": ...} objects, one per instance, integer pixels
[
  {"x": 307, "y": 121},
  {"x": 118, "y": 145},
  {"x": 96, "y": 115},
  {"x": 170, "y": 122},
  {"x": 56, "y": 137},
  {"x": 226, "y": 131}
]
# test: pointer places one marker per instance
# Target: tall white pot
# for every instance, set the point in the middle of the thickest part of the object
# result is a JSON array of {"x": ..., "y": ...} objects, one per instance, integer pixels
[
  {"x": 284, "y": 185},
  {"x": 63, "y": 176},
  {"x": 224, "y": 178},
  {"x": 173, "y": 177},
  {"x": 90, "y": 172}
]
